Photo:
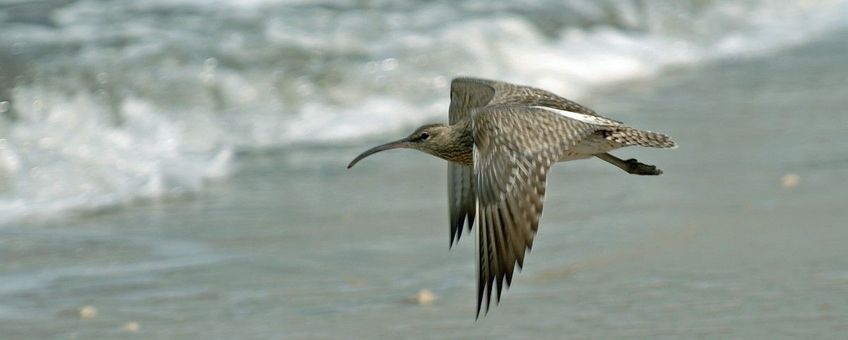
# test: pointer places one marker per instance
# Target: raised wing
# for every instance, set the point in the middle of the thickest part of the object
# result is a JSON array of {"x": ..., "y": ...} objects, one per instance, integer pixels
[
  {"x": 466, "y": 95},
  {"x": 515, "y": 147}
]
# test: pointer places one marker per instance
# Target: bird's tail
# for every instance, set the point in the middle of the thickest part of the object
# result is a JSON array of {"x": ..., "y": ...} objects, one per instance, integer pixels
[{"x": 631, "y": 136}]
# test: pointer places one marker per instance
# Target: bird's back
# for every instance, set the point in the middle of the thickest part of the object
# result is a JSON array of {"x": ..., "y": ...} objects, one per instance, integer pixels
[{"x": 494, "y": 93}]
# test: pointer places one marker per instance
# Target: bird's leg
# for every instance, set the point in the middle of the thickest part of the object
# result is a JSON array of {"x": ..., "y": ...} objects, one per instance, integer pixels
[{"x": 631, "y": 166}]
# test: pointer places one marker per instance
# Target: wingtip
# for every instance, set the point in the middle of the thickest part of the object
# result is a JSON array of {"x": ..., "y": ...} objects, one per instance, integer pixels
[
  {"x": 481, "y": 289},
  {"x": 488, "y": 295},
  {"x": 479, "y": 307},
  {"x": 456, "y": 233}
]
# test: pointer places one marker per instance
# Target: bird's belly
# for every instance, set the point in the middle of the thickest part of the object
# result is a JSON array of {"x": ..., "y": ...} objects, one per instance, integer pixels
[{"x": 589, "y": 147}]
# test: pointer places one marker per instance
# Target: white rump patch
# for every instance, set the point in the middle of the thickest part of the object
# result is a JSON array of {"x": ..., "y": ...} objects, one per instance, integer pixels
[{"x": 589, "y": 119}]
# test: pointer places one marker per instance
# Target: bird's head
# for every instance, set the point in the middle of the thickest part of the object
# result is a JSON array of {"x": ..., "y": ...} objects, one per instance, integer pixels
[{"x": 426, "y": 138}]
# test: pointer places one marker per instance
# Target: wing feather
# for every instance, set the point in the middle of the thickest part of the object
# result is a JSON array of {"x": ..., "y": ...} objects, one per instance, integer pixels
[{"x": 515, "y": 146}]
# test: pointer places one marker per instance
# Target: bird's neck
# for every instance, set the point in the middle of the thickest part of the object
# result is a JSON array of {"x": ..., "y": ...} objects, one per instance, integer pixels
[{"x": 460, "y": 145}]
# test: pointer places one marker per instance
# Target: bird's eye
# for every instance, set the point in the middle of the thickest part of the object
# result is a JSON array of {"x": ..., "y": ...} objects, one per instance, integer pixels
[{"x": 424, "y": 136}]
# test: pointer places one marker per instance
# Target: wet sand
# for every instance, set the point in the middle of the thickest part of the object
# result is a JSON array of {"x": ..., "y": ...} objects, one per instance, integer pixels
[{"x": 743, "y": 236}]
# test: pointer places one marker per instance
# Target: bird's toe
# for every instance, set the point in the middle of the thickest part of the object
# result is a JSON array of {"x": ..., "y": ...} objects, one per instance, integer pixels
[{"x": 637, "y": 168}]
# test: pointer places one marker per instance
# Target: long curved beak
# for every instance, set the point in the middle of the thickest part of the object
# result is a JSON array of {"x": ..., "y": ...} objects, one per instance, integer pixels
[{"x": 401, "y": 143}]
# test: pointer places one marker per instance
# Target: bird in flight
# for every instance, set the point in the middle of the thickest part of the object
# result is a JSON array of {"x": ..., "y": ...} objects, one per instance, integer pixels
[{"x": 500, "y": 142}]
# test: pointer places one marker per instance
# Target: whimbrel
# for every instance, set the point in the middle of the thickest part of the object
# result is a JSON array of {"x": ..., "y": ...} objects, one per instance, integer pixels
[{"x": 500, "y": 142}]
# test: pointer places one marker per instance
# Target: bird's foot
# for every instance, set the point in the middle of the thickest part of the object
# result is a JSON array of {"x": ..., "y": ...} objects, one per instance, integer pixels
[{"x": 637, "y": 168}]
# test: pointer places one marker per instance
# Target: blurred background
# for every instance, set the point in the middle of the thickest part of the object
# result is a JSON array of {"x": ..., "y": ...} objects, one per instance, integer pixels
[{"x": 175, "y": 168}]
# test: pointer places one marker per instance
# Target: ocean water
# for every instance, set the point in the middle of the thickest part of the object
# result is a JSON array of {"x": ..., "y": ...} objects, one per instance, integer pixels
[
  {"x": 105, "y": 103},
  {"x": 178, "y": 167}
]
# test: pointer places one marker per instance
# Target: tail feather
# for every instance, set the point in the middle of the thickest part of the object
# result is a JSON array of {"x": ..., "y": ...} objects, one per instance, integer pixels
[{"x": 631, "y": 136}]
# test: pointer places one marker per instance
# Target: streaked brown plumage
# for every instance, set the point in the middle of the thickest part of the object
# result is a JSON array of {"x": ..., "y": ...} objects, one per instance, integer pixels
[{"x": 500, "y": 142}]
